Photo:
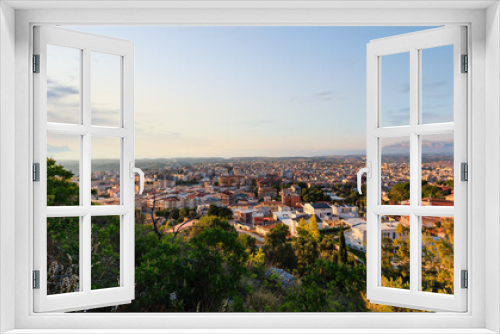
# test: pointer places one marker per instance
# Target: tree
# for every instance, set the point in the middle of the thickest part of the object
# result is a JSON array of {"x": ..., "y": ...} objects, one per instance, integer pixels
[
  {"x": 400, "y": 192},
  {"x": 221, "y": 212},
  {"x": 278, "y": 251},
  {"x": 328, "y": 287},
  {"x": 313, "y": 227},
  {"x": 248, "y": 242},
  {"x": 429, "y": 191},
  {"x": 396, "y": 258},
  {"x": 61, "y": 191},
  {"x": 306, "y": 251},
  {"x": 302, "y": 228},
  {"x": 342, "y": 246},
  {"x": 220, "y": 264},
  {"x": 63, "y": 254},
  {"x": 438, "y": 259},
  {"x": 210, "y": 222},
  {"x": 105, "y": 251}
]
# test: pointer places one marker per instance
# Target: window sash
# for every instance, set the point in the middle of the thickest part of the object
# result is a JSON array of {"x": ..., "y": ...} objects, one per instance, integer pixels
[
  {"x": 86, "y": 297},
  {"x": 413, "y": 43}
]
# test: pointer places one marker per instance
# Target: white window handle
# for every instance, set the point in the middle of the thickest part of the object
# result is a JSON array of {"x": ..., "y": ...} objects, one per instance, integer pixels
[
  {"x": 134, "y": 170},
  {"x": 368, "y": 171}
]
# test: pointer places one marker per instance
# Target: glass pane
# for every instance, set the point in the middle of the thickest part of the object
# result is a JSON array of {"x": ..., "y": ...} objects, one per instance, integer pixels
[
  {"x": 105, "y": 252},
  {"x": 63, "y": 168},
  {"x": 106, "y": 89},
  {"x": 395, "y": 89},
  {"x": 106, "y": 171},
  {"x": 63, "y": 84},
  {"x": 395, "y": 253},
  {"x": 437, "y": 84},
  {"x": 63, "y": 255},
  {"x": 437, "y": 170},
  {"x": 437, "y": 254},
  {"x": 395, "y": 171}
]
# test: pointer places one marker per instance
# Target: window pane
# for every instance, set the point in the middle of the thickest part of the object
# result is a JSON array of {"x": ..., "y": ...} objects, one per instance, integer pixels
[
  {"x": 63, "y": 255},
  {"x": 395, "y": 89},
  {"x": 106, "y": 171},
  {"x": 63, "y": 168},
  {"x": 63, "y": 84},
  {"x": 437, "y": 84},
  {"x": 105, "y": 252},
  {"x": 437, "y": 254},
  {"x": 437, "y": 170},
  {"x": 106, "y": 89},
  {"x": 395, "y": 171},
  {"x": 395, "y": 254}
]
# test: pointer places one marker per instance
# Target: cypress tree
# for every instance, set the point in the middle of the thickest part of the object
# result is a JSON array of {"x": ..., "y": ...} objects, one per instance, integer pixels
[{"x": 342, "y": 246}]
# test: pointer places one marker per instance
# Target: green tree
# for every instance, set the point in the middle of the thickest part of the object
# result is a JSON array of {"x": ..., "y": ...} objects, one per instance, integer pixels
[
  {"x": 429, "y": 191},
  {"x": 306, "y": 251},
  {"x": 400, "y": 192},
  {"x": 61, "y": 191},
  {"x": 342, "y": 246},
  {"x": 209, "y": 222},
  {"x": 278, "y": 251},
  {"x": 328, "y": 287},
  {"x": 221, "y": 212},
  {"x": 302, "y": 228},
  {"x": 105, "y": 251},
  {"x": 438, "y": 259}
]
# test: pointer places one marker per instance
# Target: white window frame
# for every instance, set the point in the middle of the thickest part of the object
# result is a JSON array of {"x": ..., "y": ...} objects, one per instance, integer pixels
[
  {"x": 484, "y": 50},
  {"x": 86, "y": 44},
  {"x": 413, "y": 43}
]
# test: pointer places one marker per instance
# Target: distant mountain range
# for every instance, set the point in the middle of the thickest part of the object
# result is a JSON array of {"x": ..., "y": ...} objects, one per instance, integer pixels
[
  {"x": 428, "y": 148},
  {"x": 402, "y": 149}
]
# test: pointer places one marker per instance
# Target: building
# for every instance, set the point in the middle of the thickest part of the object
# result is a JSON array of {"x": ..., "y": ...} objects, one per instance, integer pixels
[
  {"x": 322, "y": 210},
  {"x": 345, "y": 211},
  {"x": 290, "y": 198},
  {"x": 356, "y": 236},
  {"x": 267, "y": 191},
  {"x": 232, "y": 180}
]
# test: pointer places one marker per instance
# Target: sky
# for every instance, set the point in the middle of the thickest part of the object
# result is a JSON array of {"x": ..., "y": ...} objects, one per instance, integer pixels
[{"x": 246, "y": 91}]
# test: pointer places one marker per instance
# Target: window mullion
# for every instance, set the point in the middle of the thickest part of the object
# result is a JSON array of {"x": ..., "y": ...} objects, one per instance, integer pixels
[
  {"x": 85, "y": 182},
  {"x": 414, "y": 169}
]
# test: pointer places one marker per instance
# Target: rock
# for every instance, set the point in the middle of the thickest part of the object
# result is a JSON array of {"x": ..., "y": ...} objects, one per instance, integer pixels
[{"x": 287, "y": 280}]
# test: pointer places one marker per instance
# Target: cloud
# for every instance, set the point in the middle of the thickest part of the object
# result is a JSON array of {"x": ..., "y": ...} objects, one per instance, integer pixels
[
  {"x": 436, "y": 84},
  {"x": 326, "y": 95},
  {"x": 57, "y": 91},
  {"x": 57, "y": 149},
  {"x": 396, "y": 117}
]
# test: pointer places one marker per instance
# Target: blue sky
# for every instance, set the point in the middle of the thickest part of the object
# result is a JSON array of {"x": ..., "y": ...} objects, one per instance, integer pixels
[{"x": 264, "y": 91}]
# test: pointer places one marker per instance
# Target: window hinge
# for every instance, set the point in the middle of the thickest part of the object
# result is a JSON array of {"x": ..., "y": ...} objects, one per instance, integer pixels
[
  {"x": 36, "y": 279},
  {"x": 465, "y": 279},
  {"x": 464, "y": 172},
  {"x": 36, "y": 63},
  {"x": 36, "y": 172},
  {"x": 465, "y": 64}
]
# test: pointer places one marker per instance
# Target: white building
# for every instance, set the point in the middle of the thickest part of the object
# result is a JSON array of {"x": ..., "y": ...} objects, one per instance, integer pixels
[
  {"x": 356, "y": 237},
  {"x": 345, "y": 211},
  {"x": 322, "y": 210}
]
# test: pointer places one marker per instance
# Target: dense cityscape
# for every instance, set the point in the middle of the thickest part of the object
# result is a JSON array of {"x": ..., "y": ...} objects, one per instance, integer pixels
[
  {"x": 252, "y": 234},
  {"x": 263, "y": 192}
]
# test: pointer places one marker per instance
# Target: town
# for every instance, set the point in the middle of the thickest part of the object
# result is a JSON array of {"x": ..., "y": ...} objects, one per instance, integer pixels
[{"x": 258, "y": 193}]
